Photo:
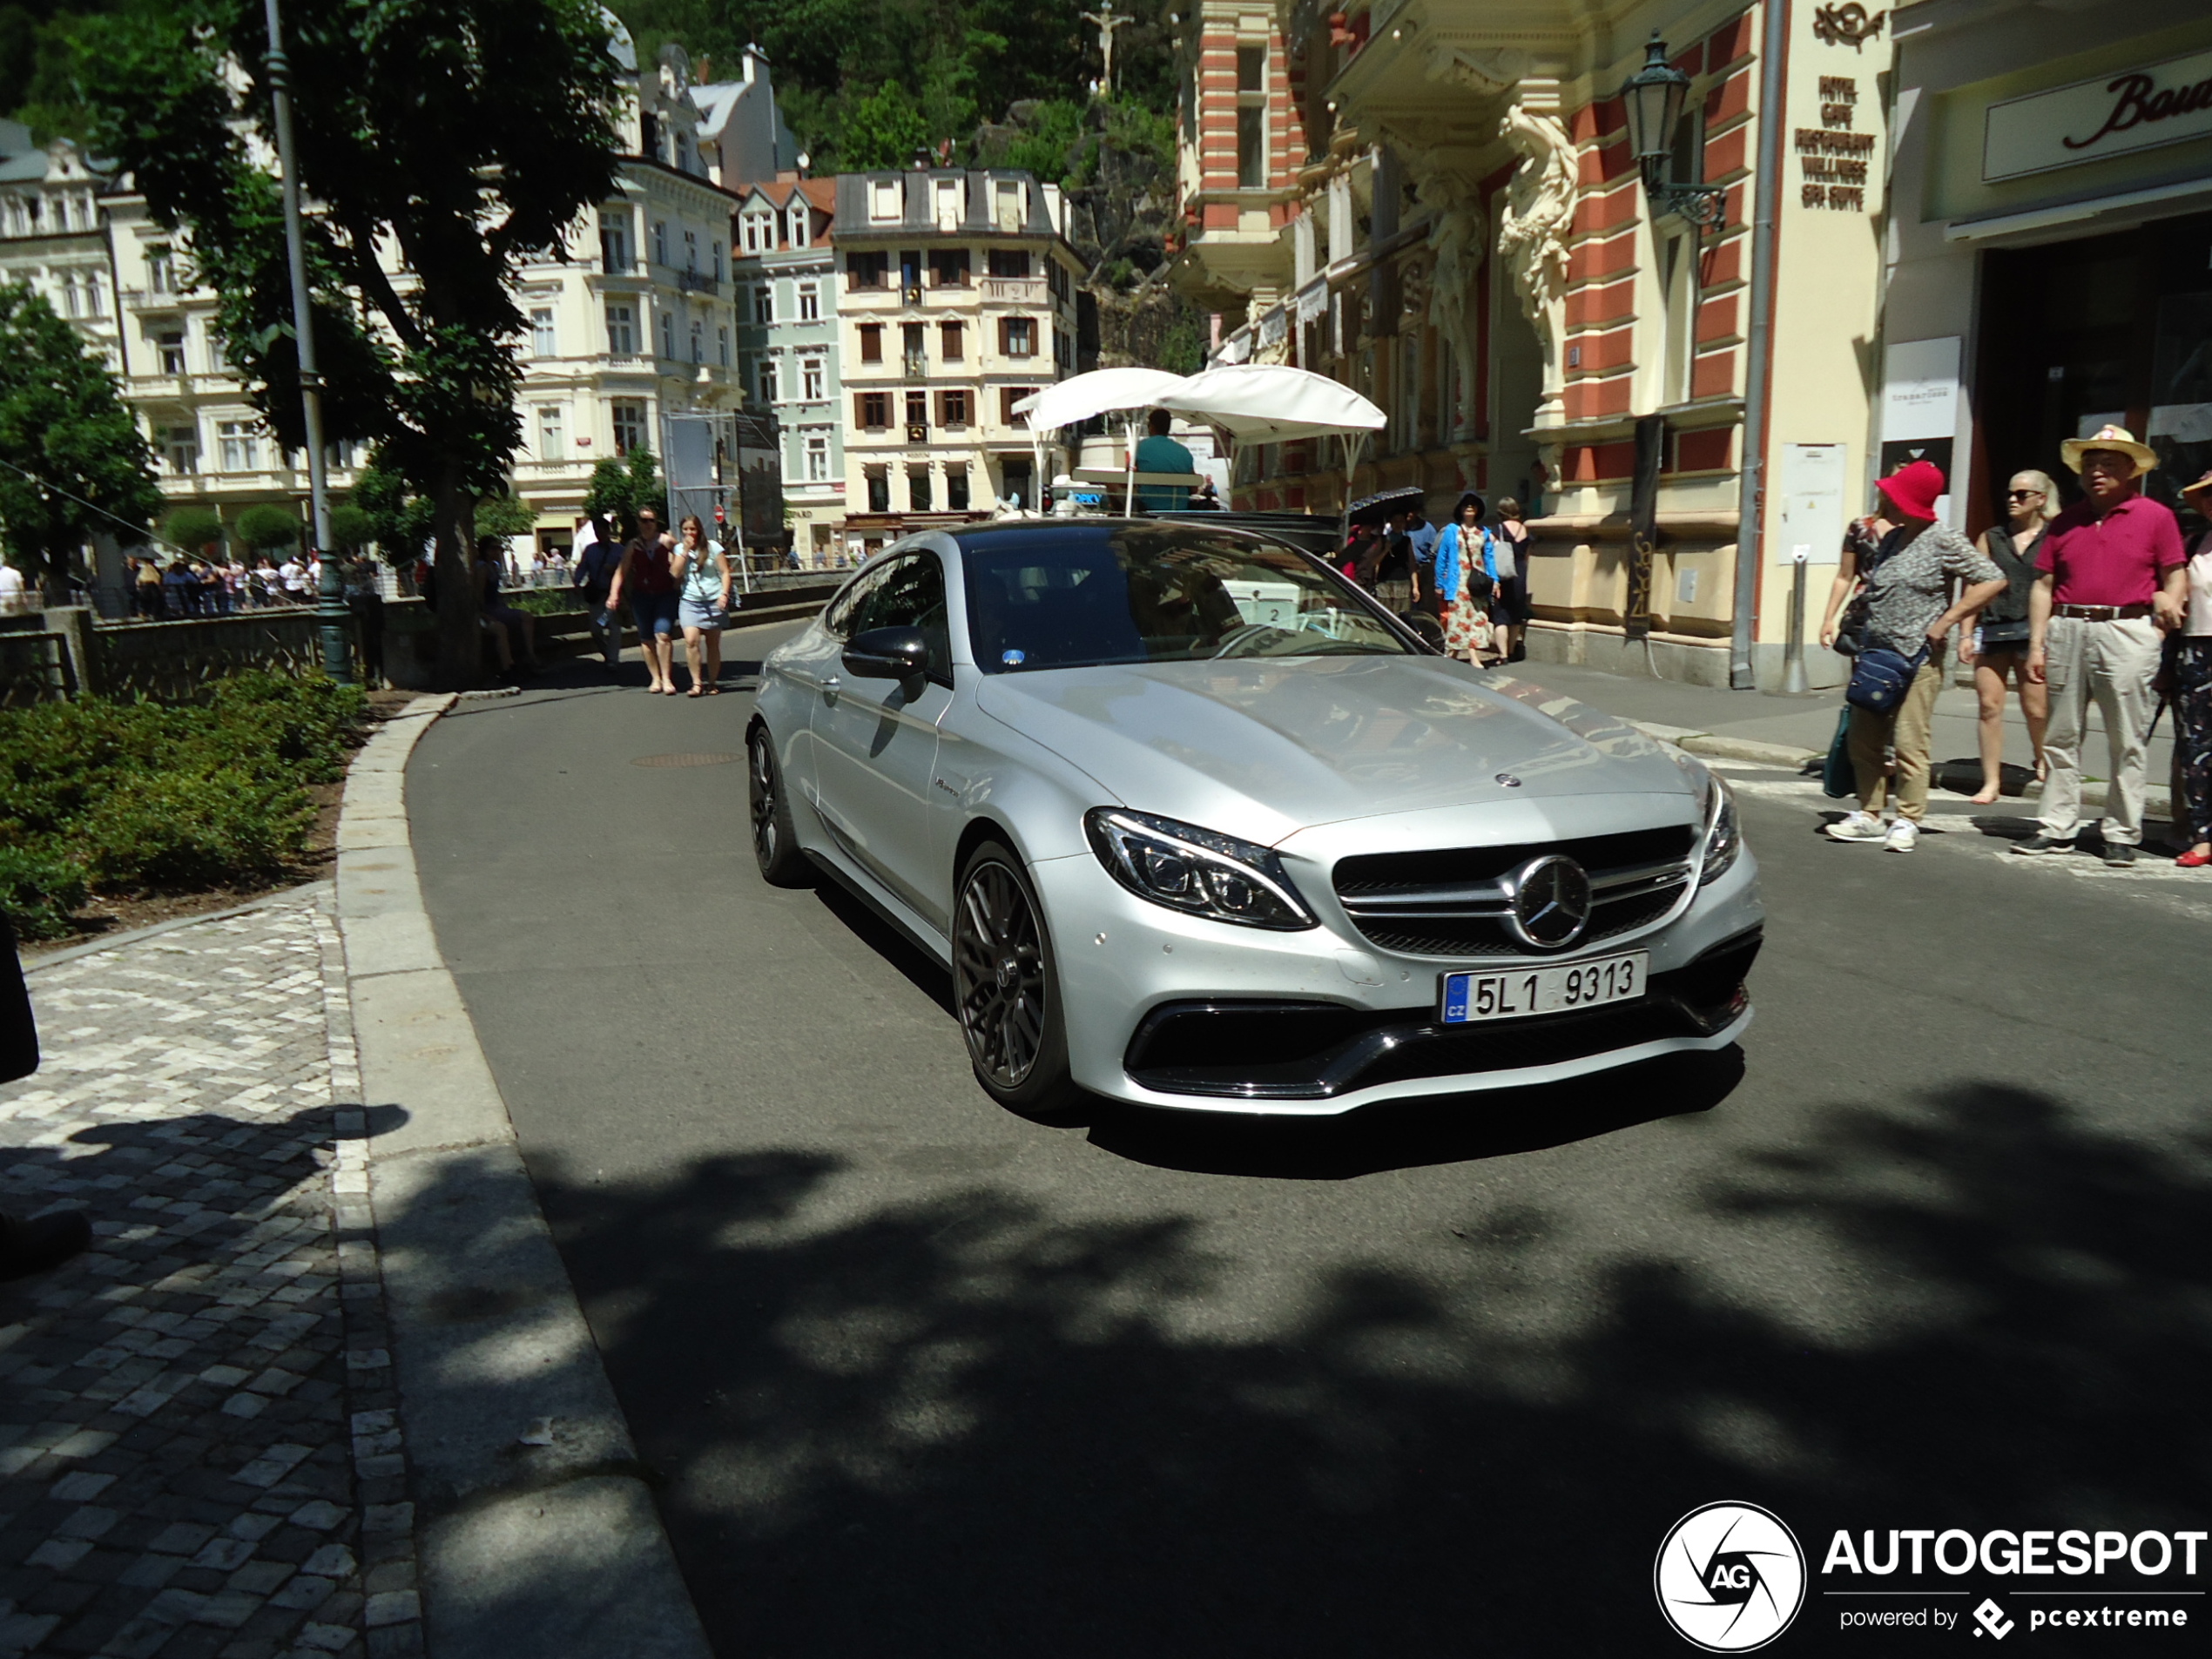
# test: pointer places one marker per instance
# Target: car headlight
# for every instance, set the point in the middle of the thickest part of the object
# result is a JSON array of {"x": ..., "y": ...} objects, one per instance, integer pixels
[
  {"x": 1196, "y": 871},
  {"x": 1723, "y": 836}
]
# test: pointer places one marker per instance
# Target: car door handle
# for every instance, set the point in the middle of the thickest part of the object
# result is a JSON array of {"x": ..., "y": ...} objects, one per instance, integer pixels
[{"x": 830, "y": 689}]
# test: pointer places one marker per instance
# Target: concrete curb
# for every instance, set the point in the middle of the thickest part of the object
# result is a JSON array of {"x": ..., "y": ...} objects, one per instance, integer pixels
[
  {"x": 2156, "y": 802},
  {"x": 535, "y": 1532}
]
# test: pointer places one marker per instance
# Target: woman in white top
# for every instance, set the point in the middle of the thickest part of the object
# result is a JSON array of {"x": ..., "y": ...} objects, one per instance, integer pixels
[
  {"x": 2189, "y": 689},
  {"x": 703, "y": 577}
]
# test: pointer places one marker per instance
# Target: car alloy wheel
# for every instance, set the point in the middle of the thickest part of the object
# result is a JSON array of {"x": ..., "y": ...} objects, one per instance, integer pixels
[{"x": 1004, "y": 988}]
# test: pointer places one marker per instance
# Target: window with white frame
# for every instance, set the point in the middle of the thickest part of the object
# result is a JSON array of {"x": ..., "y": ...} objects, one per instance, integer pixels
[
  {"x": 238, "y": 446},
  {"x": 796, "y": 227},
  {"x": 810, "y": 302},
  {"x": 763, "y": 303},
  {"x": 542, "y": 342},
  {"x": 180, "y": 447},
  {"x": 71, "y": 305},
  {"x": 691, "y": 250},
  {"x": 622, "y": 331},
  {"x": 660, "y": 241},
  {"x": 668, "y": 335},
  {"x": 715, "y": 248},
  {"x": 810, "y": 378},
  {"x": 614, "y": 241},
  {"x": 818, "y": 460},
  {"x": 883, "y": 201},
  {"x": 552, "y": 434},
  {"x": 722, "y": 345},
  {"x": 757, "y": 229},
  {"x": 170, "y": 343},
  {"x": 95, "y": 295},
  {"x": 628, "y": 417},
  {"x": 698, "y": 341},
  {"x": 765, "y": 374}
]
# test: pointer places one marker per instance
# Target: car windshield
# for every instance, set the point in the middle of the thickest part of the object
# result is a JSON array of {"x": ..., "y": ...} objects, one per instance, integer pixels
[{"x": 1077, "y": 595}]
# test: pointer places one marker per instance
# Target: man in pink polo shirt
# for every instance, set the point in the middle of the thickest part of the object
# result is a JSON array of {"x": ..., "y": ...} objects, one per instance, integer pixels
[{"x": 2114, "y": 576}]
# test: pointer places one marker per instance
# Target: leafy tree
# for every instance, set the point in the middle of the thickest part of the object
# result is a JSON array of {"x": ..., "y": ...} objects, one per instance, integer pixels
[
  {"x": 505, "y": 516},
  {"x": 352, "y": 527},
  {"x": 882, "y": 129},
  {"x": 265, "y": 529},
  {"x": 193, "y": 528},
  {"x": 399, "y": 523},
  {"x": 72, "y": 461},
  {"x": 618, "y": 488},
  {"x": 461, "y": 135}
]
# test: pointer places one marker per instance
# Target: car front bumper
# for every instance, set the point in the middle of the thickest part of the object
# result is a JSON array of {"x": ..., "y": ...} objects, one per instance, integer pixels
[{"x": 1163, "y": 1009}]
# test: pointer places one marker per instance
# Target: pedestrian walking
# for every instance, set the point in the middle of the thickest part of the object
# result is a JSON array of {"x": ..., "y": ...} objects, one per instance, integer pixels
[
  {"x": 364, "y": 599},
  {"x": 180, "y": 589},
  {"x": 1998, "y": 643},
  {"x": 703, "y": 575},
  {"x": 146, "y": 582},
  {"x": 214, "y": 598},
  {"x": 597, "y": 555},
  {"x": 1420, "y": 534},
  {"x": 646, "y": 581},
  {"x": 1907, "y": 616},
  {"x": 2189, "y": 689},
  {"x": 1394, "y": 572},
  {"x": 234, "y": 584},
  {"x": 1467, "y": 580},
  {"x": 1511, "y": 610},
  {"x": 292, "y": 576},
  {"x": 2114, "y": 577}
]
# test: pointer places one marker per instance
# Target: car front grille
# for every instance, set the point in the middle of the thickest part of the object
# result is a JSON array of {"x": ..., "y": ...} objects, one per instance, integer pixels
[{"x": 1451, "y": 901}]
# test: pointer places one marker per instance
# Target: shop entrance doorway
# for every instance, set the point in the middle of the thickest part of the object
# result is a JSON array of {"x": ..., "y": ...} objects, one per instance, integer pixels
[{"x": 2113, "y": 328}]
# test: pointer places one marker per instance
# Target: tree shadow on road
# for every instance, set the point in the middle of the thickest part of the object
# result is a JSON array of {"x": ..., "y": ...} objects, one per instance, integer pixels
[{"x": 980, "y": 1424}]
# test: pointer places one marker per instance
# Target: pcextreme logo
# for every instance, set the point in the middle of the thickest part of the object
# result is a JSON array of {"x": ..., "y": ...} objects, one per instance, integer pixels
[{"x": 1729, "y": 1577}]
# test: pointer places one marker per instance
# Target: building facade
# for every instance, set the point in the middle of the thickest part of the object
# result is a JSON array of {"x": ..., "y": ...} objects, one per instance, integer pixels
[
  {"x": 636, "y": 324},
  {"x": 54, "y": 233},
  {"x": 2051, "y": 241},
  {"x": 957, "y": 299},
  {"x": 788, "y": 349},
  {"x": 1441, "y": 205}
]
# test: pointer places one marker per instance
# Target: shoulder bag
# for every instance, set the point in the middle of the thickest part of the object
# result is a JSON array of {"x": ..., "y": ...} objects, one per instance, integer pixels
[{"x": 1880, "y": 677}]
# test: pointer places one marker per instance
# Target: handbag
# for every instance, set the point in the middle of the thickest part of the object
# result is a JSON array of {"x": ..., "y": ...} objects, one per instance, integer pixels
[
  {"x": 1838, "y": 778},
  {"x": 2004, "y": 636},
  {"x": 1880, "y": 677}
]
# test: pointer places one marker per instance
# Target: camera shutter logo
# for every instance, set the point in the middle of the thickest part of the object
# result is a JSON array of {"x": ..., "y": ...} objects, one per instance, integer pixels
[
  {"x": 1729, "y": 1577},
  {"x": 1991, "y": 1618}
]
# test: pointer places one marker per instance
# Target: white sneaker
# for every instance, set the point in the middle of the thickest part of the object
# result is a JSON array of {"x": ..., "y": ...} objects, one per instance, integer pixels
[
  {"x": 1860, "y": 826},
  {"x": 1904, "y": 836}
]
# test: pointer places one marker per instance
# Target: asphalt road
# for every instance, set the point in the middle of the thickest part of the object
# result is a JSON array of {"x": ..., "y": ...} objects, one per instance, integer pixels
[{"x": 922, "y": 1378}]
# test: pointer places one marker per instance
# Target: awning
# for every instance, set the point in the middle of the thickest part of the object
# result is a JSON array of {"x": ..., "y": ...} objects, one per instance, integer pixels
[
  {"x": 1071, "y": 402},
  {"x": 1272, "y": 403}
]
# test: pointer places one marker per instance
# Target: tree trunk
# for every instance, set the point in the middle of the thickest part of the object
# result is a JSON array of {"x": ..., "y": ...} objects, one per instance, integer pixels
[{"x": 461, "y": 639}]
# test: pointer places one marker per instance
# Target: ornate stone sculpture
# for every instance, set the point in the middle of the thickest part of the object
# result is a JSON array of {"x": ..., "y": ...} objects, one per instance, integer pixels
[
  {"x": 1456, "y": 244},
  {"x": 1532, "y": 236}
]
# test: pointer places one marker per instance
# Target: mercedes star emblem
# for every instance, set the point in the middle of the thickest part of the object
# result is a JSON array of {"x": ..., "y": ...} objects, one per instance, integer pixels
[{"x": 1551, "y": 903}]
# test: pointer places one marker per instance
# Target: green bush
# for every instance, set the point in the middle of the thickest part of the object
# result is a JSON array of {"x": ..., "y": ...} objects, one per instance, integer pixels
[
  {"x": 174, "y": 830},
  {"x": 137, "y": 795},
  {"x": 193, "y": 528},
  {"x": 37, "y": 891},
  {"x": 265, "y": 529}
]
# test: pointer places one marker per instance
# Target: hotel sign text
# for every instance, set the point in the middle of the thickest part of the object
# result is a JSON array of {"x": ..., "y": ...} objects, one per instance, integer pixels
[{"x": 2112, "y": 115}]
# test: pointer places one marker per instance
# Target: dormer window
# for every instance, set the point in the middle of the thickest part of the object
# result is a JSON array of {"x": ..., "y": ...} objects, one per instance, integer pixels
[
  {"x": 757, "y": 228},
  {"x": 883, "y": 201},
  {"x": 799, "y": 231}
]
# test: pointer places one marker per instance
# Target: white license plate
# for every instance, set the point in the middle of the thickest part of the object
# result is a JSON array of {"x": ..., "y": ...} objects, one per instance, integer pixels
[{"x": 1469, "y": 997}]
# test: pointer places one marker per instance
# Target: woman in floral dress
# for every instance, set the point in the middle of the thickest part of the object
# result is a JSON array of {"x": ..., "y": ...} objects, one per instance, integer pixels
[{"x": 1467, "y": 576}]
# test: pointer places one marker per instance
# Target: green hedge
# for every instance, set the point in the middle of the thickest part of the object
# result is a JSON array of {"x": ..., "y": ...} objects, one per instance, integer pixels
[{"x": 135, "y": 797}]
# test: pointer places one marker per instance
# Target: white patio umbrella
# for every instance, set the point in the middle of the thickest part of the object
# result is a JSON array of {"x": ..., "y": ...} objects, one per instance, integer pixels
[
  {"x": 1103, "y": 391},
  {"x": 1273, "y": 403}
]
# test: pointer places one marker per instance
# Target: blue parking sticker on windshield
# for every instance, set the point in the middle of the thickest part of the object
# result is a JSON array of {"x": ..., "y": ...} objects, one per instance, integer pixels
[{"x": 1014, "y": 658}]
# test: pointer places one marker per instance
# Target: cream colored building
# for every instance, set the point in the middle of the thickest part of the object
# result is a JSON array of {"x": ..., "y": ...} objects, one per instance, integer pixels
[
  {"x": 1438, "y": 204},
  {"x": 957, "y": 298}
]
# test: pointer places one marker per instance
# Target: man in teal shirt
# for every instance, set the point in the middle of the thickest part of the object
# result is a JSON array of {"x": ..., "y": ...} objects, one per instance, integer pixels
[{"x": 1160, "y": 453}]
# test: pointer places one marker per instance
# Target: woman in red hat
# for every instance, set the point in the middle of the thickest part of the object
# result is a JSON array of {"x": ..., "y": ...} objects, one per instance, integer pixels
[{"x": 1907, "y": 582}]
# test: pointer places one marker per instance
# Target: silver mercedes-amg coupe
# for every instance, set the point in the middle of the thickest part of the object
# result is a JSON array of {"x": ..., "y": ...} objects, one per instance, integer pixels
[{"x": 1194, "y": 822}]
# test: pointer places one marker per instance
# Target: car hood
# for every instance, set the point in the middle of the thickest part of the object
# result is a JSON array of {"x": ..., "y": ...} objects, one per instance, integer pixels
[{"x": 1259, "y": 750}]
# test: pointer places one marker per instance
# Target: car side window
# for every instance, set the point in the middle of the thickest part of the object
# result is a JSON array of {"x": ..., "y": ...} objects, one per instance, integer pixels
[
  {"x": 840, "y": 618},
  {"x": 912, "y": 594}
]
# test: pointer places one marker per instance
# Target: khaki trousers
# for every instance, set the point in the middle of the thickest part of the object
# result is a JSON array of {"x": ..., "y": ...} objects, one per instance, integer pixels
[
  {"x": 1909, "y": 728},
  {"x": 2113, "y": 664}
]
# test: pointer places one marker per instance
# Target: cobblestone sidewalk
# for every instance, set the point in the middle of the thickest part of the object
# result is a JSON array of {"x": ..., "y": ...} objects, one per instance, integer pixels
[{"x": 199, "y": 1447}]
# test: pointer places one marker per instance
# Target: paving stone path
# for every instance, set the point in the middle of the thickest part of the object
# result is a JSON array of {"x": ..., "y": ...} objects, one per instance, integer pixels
[{"x": 199, "y": 1447}]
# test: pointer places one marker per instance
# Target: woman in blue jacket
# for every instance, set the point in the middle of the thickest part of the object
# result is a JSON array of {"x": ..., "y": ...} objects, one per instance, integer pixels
[{"x": 1467, "y": 576}]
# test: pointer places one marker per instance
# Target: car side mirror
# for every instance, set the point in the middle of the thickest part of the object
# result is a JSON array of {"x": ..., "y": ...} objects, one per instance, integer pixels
[{"x": 887, "y": 654}]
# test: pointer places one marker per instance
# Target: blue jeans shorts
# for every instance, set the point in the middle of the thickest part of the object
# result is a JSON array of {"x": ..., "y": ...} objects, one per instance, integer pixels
[{"x": 653, "y": 613}]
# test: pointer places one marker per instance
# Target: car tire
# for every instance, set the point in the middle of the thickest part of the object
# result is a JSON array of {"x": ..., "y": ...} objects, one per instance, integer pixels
[
  {"x": 775, "y": 840},
  {"x": 1006, "y": 988}
]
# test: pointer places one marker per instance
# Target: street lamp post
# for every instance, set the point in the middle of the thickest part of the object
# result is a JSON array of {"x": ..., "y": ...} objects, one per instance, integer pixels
[
  {"x": 1653, "y": 98},
  {"x": 331, "y": 620}
]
